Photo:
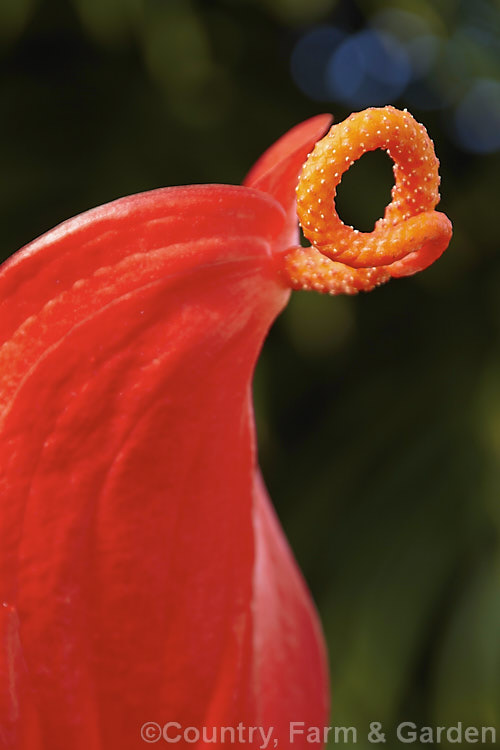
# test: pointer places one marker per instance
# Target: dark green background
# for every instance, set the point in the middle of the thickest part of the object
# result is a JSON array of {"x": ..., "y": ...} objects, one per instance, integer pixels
[{"x": 379, "y": 415}]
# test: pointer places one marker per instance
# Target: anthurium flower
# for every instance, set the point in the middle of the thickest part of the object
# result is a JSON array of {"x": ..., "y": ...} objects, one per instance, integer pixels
[{"x": 143, "y": 574}]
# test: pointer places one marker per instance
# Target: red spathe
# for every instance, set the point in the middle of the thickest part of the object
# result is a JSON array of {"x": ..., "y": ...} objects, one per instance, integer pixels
[{"x": 144, "y": 575}]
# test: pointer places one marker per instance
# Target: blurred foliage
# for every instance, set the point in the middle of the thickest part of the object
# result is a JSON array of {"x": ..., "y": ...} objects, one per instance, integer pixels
[{"x": 379, "y": 416}]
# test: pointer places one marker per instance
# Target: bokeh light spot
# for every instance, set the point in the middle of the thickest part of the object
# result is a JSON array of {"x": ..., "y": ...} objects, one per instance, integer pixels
[
  {"x": 368, "y": 69},
  {"x": 477, "y": 118},
  {"x": 310, "y": 58},
  {"x": 423, "y": 52}
]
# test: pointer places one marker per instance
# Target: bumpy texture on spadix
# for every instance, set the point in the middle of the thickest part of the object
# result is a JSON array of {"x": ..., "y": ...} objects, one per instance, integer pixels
[{"x": 410, "y": 236}]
